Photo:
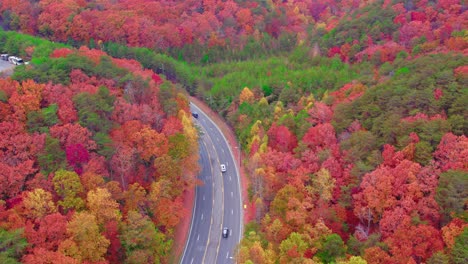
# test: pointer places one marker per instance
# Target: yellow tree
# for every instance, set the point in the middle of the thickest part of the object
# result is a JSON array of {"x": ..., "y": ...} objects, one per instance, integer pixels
[
  {"x": 143, "y": 242},
  {"x": 246, "y": 96},
  {"x": 189, "y": 130},
  {"x": 67, "y": 185},
  {"x": 134, "y": 197},
  {"x": 278, "y": 110},
  {"x": 353, "y": 260},
  {"x": 257, "y": 138},
  {"x": 190, "y": 162},
  {"x": 252, "y": 251},
  {"x": 166, "y": 167},
  {"x": 322, "y": 185},
  {"x": 293, "y": 248},
  {"x": 39, "y": 203},
  {"x": 102, "y": 206},
  {"x": 85, "y": 242}
]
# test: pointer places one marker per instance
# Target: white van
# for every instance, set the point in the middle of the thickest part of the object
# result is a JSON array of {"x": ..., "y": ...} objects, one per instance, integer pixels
[{"x": 15, "y": 60}]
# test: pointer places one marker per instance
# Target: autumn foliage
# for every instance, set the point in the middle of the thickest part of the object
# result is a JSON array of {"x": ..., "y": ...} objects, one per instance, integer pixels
[
  {"x": 79, "y": 170},
  {"x": 354, "y": 30},
  {"x": 351, "y": 114},
  {"x": 370, "y": 171}
]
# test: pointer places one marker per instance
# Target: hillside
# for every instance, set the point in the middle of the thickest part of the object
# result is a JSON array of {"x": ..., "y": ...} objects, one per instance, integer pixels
[
  {"x": 352, "y": 116},
  {"x": 215, "y": 30},
  {"x": 96, "y": 154},
  {"x": 377, "y": 171}
]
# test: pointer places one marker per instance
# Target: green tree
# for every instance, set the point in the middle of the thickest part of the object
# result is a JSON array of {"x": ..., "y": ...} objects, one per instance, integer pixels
[
  {"x": 292, "y": 249},
  {"x": 460, "y": 249},
  {"x": 142, "y": 241},
  {"x": 423, "y": 153},
  {"x": 52, "y": 158},
  {"x": 452, "y": 194},
  {"x": 107, "y": 69},
  {"x": 12, "y": 245},
  {"x": 179, "y": 146},
  {"x": 332, "y": 249},
  {"x": 166, "y": 97},
  {"x": 94, "y": 110},
  {"x": 40, "y": 121},
  {"x": 359, "y": 144},
  {"x": 104, "y": 144},
  {"x": 439, "y": 258}
]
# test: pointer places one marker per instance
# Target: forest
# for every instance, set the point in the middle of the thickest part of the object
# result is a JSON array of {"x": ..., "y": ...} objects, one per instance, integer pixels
[
  {"x": 351, "y": 115},
  {"x": 91, "y": 148}
]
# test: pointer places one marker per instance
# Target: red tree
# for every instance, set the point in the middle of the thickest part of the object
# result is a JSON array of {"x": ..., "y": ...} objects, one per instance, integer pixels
[
  {"x": 77, "y": 155},
  {"x": 281, "y": 139},
  {"x": 71, "y": 134},
  {"x": 416, "y": 242},
  {"x": 48, "y": 232},
  {"x": 452, "y": 153}
]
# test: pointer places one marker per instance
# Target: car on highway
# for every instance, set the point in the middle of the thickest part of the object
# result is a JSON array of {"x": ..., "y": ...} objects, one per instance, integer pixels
[
  {"x": 195, "y": 114},
  {"x": 225, "y": 232},
  {"x": 4, "y": 57},
  {"x": 223, "y": 168}
]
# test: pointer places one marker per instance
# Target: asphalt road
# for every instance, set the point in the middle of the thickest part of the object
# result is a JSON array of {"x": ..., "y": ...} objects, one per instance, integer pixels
[{"x": 217, "y": 202}]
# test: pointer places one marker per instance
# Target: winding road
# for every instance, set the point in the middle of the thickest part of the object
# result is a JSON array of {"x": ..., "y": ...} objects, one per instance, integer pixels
[{"x": 217, "y": 202}]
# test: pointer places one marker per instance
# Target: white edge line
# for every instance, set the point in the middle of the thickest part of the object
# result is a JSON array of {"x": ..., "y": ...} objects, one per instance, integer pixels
[{"x": 191, "y": 225}]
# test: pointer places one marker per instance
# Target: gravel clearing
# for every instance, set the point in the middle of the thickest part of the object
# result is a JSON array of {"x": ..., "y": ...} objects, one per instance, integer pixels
[{"x": 6, "y": 68}]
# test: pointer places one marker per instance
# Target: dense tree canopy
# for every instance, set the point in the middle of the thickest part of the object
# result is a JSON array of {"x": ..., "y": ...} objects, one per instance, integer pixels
[
  {"x": 77, "y": 170},
  {"x": 352, "y": 117}
]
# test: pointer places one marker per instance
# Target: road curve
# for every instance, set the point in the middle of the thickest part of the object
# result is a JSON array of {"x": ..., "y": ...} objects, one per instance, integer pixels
[{"x": 218, "y": 202}]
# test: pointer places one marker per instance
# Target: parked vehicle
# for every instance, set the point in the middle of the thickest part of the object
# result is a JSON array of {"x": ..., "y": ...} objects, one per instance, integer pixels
[
  {"x": 4, "y": 57},
  {"x": 15, "y": 60}
]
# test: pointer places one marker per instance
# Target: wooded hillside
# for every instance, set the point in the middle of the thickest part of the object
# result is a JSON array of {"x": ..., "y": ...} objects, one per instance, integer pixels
[
  {"x": 95, "y": 156},
  {"x": 352, "y": 116}
]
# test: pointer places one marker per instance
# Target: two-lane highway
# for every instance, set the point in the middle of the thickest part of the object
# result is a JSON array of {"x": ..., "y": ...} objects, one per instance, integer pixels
[{"x": 217, "y": 202}]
